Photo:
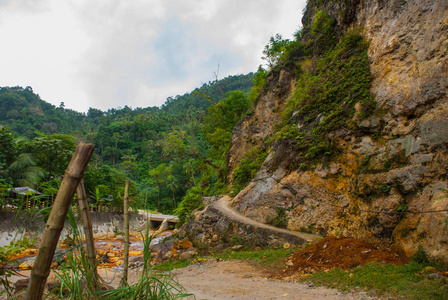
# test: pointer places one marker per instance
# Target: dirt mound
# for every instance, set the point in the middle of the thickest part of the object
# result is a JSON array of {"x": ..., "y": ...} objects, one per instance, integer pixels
[{"x": 338, "y": 252}]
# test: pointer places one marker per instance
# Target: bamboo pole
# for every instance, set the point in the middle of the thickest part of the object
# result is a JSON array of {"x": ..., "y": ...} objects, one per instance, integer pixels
[
  {"x": 87, "y": 223},
  {"x": 55, "y": 223},
  {"x": 126, "y": 234}
]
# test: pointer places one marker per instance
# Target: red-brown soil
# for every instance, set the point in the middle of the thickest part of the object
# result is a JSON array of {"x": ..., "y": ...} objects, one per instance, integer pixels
[{"x": 338, "y": 252}]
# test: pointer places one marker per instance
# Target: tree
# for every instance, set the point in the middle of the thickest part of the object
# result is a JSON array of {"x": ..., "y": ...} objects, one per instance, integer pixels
[
  {"x": 52, "y": 152},
  {"x": 191, "y": 201},
  {"x": 130, "y": 168},
  {"x": 160, "y": 174},
  {"x": 16, "y": 168},
  {"x": 147, "y": 190},
  {"x": 220, "y": 120},
  {"x": 190, "y": 167},
  {"x": 172, "y": 185},
  {"x": 177, "y": 143},
  {"x": 274, "y": 49},
  {"x": 100, "y": 195},
  {"x": 7, "y": 148},
  {"x": 95, "y": 114},
  {"x": 24, "y": 172}
]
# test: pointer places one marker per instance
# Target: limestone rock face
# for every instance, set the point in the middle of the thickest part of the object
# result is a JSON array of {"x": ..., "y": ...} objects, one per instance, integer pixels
[
  {"x": 252, "y": 130},
  {"x": 388, "y": 185},
  {"x": 408, "y": 50}
]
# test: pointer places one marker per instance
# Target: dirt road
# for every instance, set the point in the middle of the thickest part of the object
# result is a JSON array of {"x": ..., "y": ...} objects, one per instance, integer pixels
[
  {"x": 223, "y": 206},
  {"x": 239, "y": 280}
]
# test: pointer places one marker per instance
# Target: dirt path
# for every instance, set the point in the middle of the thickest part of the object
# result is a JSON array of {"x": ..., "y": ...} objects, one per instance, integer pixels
[
  {"x": 223, "y": 206},
  {"x": 223, "y": 280},
  {"x": 239, "y": 280}
]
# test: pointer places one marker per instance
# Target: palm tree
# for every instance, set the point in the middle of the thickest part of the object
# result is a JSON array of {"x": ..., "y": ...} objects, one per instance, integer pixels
[
  {"x": 23, "y": 170},
  {"x": 172, "y": 185}
]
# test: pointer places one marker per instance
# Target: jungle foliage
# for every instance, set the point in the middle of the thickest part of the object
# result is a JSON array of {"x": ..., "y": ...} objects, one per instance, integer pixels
[{"x": 164, "y": 151}]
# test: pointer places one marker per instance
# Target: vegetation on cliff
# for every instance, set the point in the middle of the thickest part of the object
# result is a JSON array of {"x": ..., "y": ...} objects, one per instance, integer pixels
[
  {"x": 328, "y": 90},
  {"x": 333, "y": 84}
]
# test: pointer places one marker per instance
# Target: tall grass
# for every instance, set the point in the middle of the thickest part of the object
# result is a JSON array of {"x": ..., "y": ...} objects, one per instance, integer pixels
[
  {"x": 16, "y": 246},
  {"x": 76, "y": 273}
]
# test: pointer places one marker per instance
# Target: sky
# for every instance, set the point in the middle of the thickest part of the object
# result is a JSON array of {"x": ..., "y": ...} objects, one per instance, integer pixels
[{"x": 111, "y": 53}]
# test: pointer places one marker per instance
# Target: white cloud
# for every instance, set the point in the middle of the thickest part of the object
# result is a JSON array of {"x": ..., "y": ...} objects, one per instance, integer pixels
[{"x": 109, "y": 53}]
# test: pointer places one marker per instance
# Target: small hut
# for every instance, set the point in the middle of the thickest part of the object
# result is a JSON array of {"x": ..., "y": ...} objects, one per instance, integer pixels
[{"x": 24, "y": 192}]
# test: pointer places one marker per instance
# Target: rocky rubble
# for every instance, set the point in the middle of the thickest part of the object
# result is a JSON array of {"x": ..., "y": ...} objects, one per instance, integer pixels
[{"x": 181, "y": 249}]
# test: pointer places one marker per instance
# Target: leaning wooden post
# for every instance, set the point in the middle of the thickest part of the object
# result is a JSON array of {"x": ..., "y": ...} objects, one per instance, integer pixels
[
  {"x": 55, "y": 223},
  {"x": 87, "y": 223},
  {"x": 126, "y": 234}
]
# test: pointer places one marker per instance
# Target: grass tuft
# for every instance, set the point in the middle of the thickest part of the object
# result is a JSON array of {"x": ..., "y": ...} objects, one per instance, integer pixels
[{"x": 404, "y": 281}]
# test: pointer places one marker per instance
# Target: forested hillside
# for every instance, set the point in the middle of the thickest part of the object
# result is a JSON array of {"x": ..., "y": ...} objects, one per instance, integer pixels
[
  {"x": 164, "y": 151},
  {"x": 344, "y": 134}
]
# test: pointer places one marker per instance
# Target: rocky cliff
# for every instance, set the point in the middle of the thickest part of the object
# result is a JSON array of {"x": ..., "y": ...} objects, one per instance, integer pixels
[{"x": 387, "y": 181}]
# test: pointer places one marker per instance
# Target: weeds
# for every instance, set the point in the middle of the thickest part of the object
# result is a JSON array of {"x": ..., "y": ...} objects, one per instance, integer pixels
[
  {"x": 268, "y": 258},
  {"x": 328, "y": 89},
  {"x": 421, "y": 256},
  {"x": 169, "y": 265},
  {"x": 405, "y": 281},
  {"x": 15, "y": 247},
  {"x": 249, "y": 165},
  {"x": 279, "y": 220},
  {"x": 76, "y": 276},
  {"x": 409, "y": 281},
  {"x": 5, "y": 257}
]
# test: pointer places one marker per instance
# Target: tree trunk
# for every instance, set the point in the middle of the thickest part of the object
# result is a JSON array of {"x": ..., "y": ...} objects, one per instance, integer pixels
[
  {"x": 87, "y": 223},
  {"x": 126, "y": 234},
  {"x": 55, "y": 223}
]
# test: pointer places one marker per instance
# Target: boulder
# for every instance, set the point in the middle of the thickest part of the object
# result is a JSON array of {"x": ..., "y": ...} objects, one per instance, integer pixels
[
  {"x": 187, "y": 255},
  {"x": 20, "y": 285},
  {"x": 167, "y": 255}
]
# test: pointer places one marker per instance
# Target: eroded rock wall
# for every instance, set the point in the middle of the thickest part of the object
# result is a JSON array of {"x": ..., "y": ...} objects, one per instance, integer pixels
[
  {"x": 254, "y": 130},
  {"x": 388, "y": 185}
]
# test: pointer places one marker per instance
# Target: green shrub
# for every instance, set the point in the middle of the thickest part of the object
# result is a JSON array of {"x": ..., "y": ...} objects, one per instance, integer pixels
[
  {"x": 279, "y": 220},
  {"x": 322, "y": 37},
  {"x": 421, "y": 256},
  {"x": 259, "y": 84},
  {"x": 326, "y": 95},
  {"x": 249, "y": 165},
  {"x": 191, "y": 201}
]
